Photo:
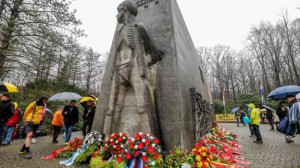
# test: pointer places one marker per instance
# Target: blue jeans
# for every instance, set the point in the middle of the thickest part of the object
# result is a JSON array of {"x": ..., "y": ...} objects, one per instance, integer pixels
[
  {"x": 257, "y": 132},
  {"x": 68, "y": 132},
  {"x": 2, "y": 127},
  {"x": 9, "y": 133}
]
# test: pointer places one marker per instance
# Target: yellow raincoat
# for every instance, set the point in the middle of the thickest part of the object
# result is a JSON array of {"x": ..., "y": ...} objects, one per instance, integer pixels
[{"x": 33, "y": 113}]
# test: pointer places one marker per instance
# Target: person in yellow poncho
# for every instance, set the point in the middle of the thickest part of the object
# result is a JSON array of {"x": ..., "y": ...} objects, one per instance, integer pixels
[
  {"x": 32, "y": 118},
  {"x": 255, "y": 121}
]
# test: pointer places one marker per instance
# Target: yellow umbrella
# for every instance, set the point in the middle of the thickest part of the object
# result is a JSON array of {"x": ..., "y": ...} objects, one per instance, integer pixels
[
  {"x": 7, "y": 87},
  {"x": 86, "y": 98}
]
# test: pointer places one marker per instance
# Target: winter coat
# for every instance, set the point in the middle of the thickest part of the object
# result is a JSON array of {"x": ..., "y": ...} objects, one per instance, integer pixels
[
  {"x": 15, "y": 119},
  {"x": 281, "y": 114},
  {"x": 34, "y": 112},
  {"x": 269, "y": 114},
  {"x": 70, "y": 115},
  {"x": 89, "y": 113},
  {"x": 254, "y": 115},
  {"x": 7, "y": 109},
  {"x": 58, "y": 119}
]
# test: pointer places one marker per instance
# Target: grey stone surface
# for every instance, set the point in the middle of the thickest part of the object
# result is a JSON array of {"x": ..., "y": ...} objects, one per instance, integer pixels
[
  {"x": 273, "y": 153},
  {"x": 176, "y": 73}
]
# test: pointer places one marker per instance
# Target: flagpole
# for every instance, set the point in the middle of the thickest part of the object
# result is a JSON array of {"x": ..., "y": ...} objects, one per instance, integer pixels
[{"x": 223, "y": 96}]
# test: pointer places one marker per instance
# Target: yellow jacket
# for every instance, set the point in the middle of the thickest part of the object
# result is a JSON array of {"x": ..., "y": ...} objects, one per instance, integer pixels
[
  {"x": 33, "y": 113},
  {"x": 254, "y": 115},
  {"x": 58, "y": 119}
]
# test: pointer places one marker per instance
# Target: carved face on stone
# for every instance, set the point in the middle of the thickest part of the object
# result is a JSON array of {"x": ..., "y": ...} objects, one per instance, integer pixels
[{"x": 126, "y": 9}]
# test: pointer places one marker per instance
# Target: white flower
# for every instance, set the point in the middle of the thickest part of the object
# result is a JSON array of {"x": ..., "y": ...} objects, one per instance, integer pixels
[
  {"x": 120, "y": 134},
  {"x": 159, "y": 150},
  {"x": 122, "y": 146},
  {"x": 140, "y": 133},
  {"x": 153, "y": 145},
  {"x": 152, "y": 163},
  {"x": 143, "y": 140},
  {"x": 135, "y": 147},
  {"x": 111, "y": 140},
  {"x": 151, "y": 137},
  {"x": 144, "y": 153},
  {"x": 123, "y": 137},
  {"x": 148, "y": 135},
  {"x": 132, "y": 139},
  {"x": 114, "y": 146},
  {"x": 126, "y": 150},
  {"x": 117, "y": 142}
]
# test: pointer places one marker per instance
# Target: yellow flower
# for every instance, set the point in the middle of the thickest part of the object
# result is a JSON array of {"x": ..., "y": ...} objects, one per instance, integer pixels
[
  {"x": 198, "y": 158},
  {"x": 206, "y": 164},
  {"x": 200, "y": 164}
]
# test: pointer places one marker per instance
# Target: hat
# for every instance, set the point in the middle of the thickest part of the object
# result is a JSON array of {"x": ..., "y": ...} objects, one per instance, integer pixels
[
  {"x": 251, "y": 106},
  {"x": 6, "y": 95},
  {"x": 289, "y": 96}
]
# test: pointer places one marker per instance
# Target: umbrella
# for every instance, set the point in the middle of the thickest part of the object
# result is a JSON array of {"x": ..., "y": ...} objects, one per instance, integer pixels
[
  {"x": 235, "y": 110},
  {"x": 86, "y": 98},
  {"x": 269, "y": 108},
  {"x": 48, "y": 110},
  {"x": 65, "y": 96},
  {"x": 281, "y": 92},
  {"x": 7, "y": 87}
]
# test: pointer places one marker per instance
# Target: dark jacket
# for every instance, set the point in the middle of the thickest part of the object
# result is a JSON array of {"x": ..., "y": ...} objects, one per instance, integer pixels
[
  {"x": 269, "y": 114},
  {"x": 89, "y": 113},
  {"x": 6, "y": 110},
  {"x": 281, "y": 114},
  {"x": 71, "y": 115}
]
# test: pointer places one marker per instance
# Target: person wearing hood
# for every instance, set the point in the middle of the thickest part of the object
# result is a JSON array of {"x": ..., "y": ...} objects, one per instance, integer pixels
[
  {"x": 250, "y": 125},
  {"x": 255, "y": 121},
  {"x": 6, "y": 112},
  {"x": 57, "y": 123},
  {"x": 32, "y": 118}
]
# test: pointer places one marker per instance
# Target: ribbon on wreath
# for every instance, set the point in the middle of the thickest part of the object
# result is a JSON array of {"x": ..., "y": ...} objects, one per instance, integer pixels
[
  {"x": 70, "y": 161},
  {"x": 53, "y": 154},
  {"x": 135, "y": 163}
]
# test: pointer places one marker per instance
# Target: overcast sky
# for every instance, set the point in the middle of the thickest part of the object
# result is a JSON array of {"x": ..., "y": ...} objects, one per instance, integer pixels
[{"x": 210, "y": 22}]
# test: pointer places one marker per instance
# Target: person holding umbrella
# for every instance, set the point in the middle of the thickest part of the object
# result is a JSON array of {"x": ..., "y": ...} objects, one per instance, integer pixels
[
  {"x": 6, "y": 112},
  {"x": 88, "y": 116},
  {"x": 32, "y": 119},
  {"x": 12, "y": 124},
  {"x": 71, "y": 117},
  {"x": 255, "y": 121},
  {"x": 293, "y": 114},
  {"x": 282, "y": 110}
]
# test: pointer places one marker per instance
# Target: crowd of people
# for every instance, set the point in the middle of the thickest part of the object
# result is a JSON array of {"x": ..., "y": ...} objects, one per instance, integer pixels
[
  {"x": 11, "y": 116},
  {"x": 286, "y": 118}
]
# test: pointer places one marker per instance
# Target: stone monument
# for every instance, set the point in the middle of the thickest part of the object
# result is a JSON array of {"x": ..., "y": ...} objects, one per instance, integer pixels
[{"x": 153, "y": 81}]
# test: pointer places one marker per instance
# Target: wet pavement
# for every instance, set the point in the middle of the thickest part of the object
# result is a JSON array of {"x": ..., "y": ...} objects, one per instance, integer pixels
[{"x": 273, "y": 153}]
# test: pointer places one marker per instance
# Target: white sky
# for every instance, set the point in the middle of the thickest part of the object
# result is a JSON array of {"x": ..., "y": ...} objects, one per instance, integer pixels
[{"x": 210, "y": 22}]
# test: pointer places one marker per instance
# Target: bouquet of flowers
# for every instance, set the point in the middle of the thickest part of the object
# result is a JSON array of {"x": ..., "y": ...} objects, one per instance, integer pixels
[
  {"x": 114, "y": 146},
  {"x": 70, "y": 148},
  {"x": 178, "y": 158},
  {"x": 145, "y": 147}
]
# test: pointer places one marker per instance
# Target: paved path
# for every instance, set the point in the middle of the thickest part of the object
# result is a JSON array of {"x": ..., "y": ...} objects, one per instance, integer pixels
[
  {"x": 273, "y": 153},
  {"x": 9, "y": 157}
]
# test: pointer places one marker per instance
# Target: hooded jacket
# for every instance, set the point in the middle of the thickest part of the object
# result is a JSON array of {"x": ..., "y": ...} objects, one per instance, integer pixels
[
  {"x": 34, "y": 112},
  {"x": 58, "y": 119},
  {"x": 254, "y": 115}
]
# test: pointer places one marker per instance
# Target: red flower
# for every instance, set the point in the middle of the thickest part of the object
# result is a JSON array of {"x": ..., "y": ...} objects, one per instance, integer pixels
[
  {"x": 115, "y": 135},
  {"x": 145, "y": 158},
  {"x": 119, "y": 159},
  {"x": 136, "y": 153},
  {"x": 156, "y": 140},
  {"x": 122, "y": 151},
  {"x": 155, "y": 156},
  {"x": 93, "y": 155},
  {"x": 137, "y": 137},
  {"x": 131, "y": 146},
  {"x": 123, "y": 134},
  {"x": 128, "y": 156},
  {"x": 118, "y": 147},
  {"x": 150, "y": 150},
  {"x": 145, "y": 166},
  {"x": 147, "y": 143},
  {"x": 120, "y": 139},
  {"x": 140, "y": 145},
  {"x": 143, "y": 135}
]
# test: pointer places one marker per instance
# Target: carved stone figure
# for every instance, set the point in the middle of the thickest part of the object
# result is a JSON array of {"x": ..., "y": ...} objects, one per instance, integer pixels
[{"x": 134, "y": 54}]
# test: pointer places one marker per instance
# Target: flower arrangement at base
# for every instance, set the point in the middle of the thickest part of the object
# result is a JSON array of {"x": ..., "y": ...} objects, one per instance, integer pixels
[
  {"x": 70, "y": 148},
  {"x": 178, "y": 158},
  {"x": 93, "y": 142},
  {"x": 144, "y": 147},
  {"x": 114, "y": 145}
]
